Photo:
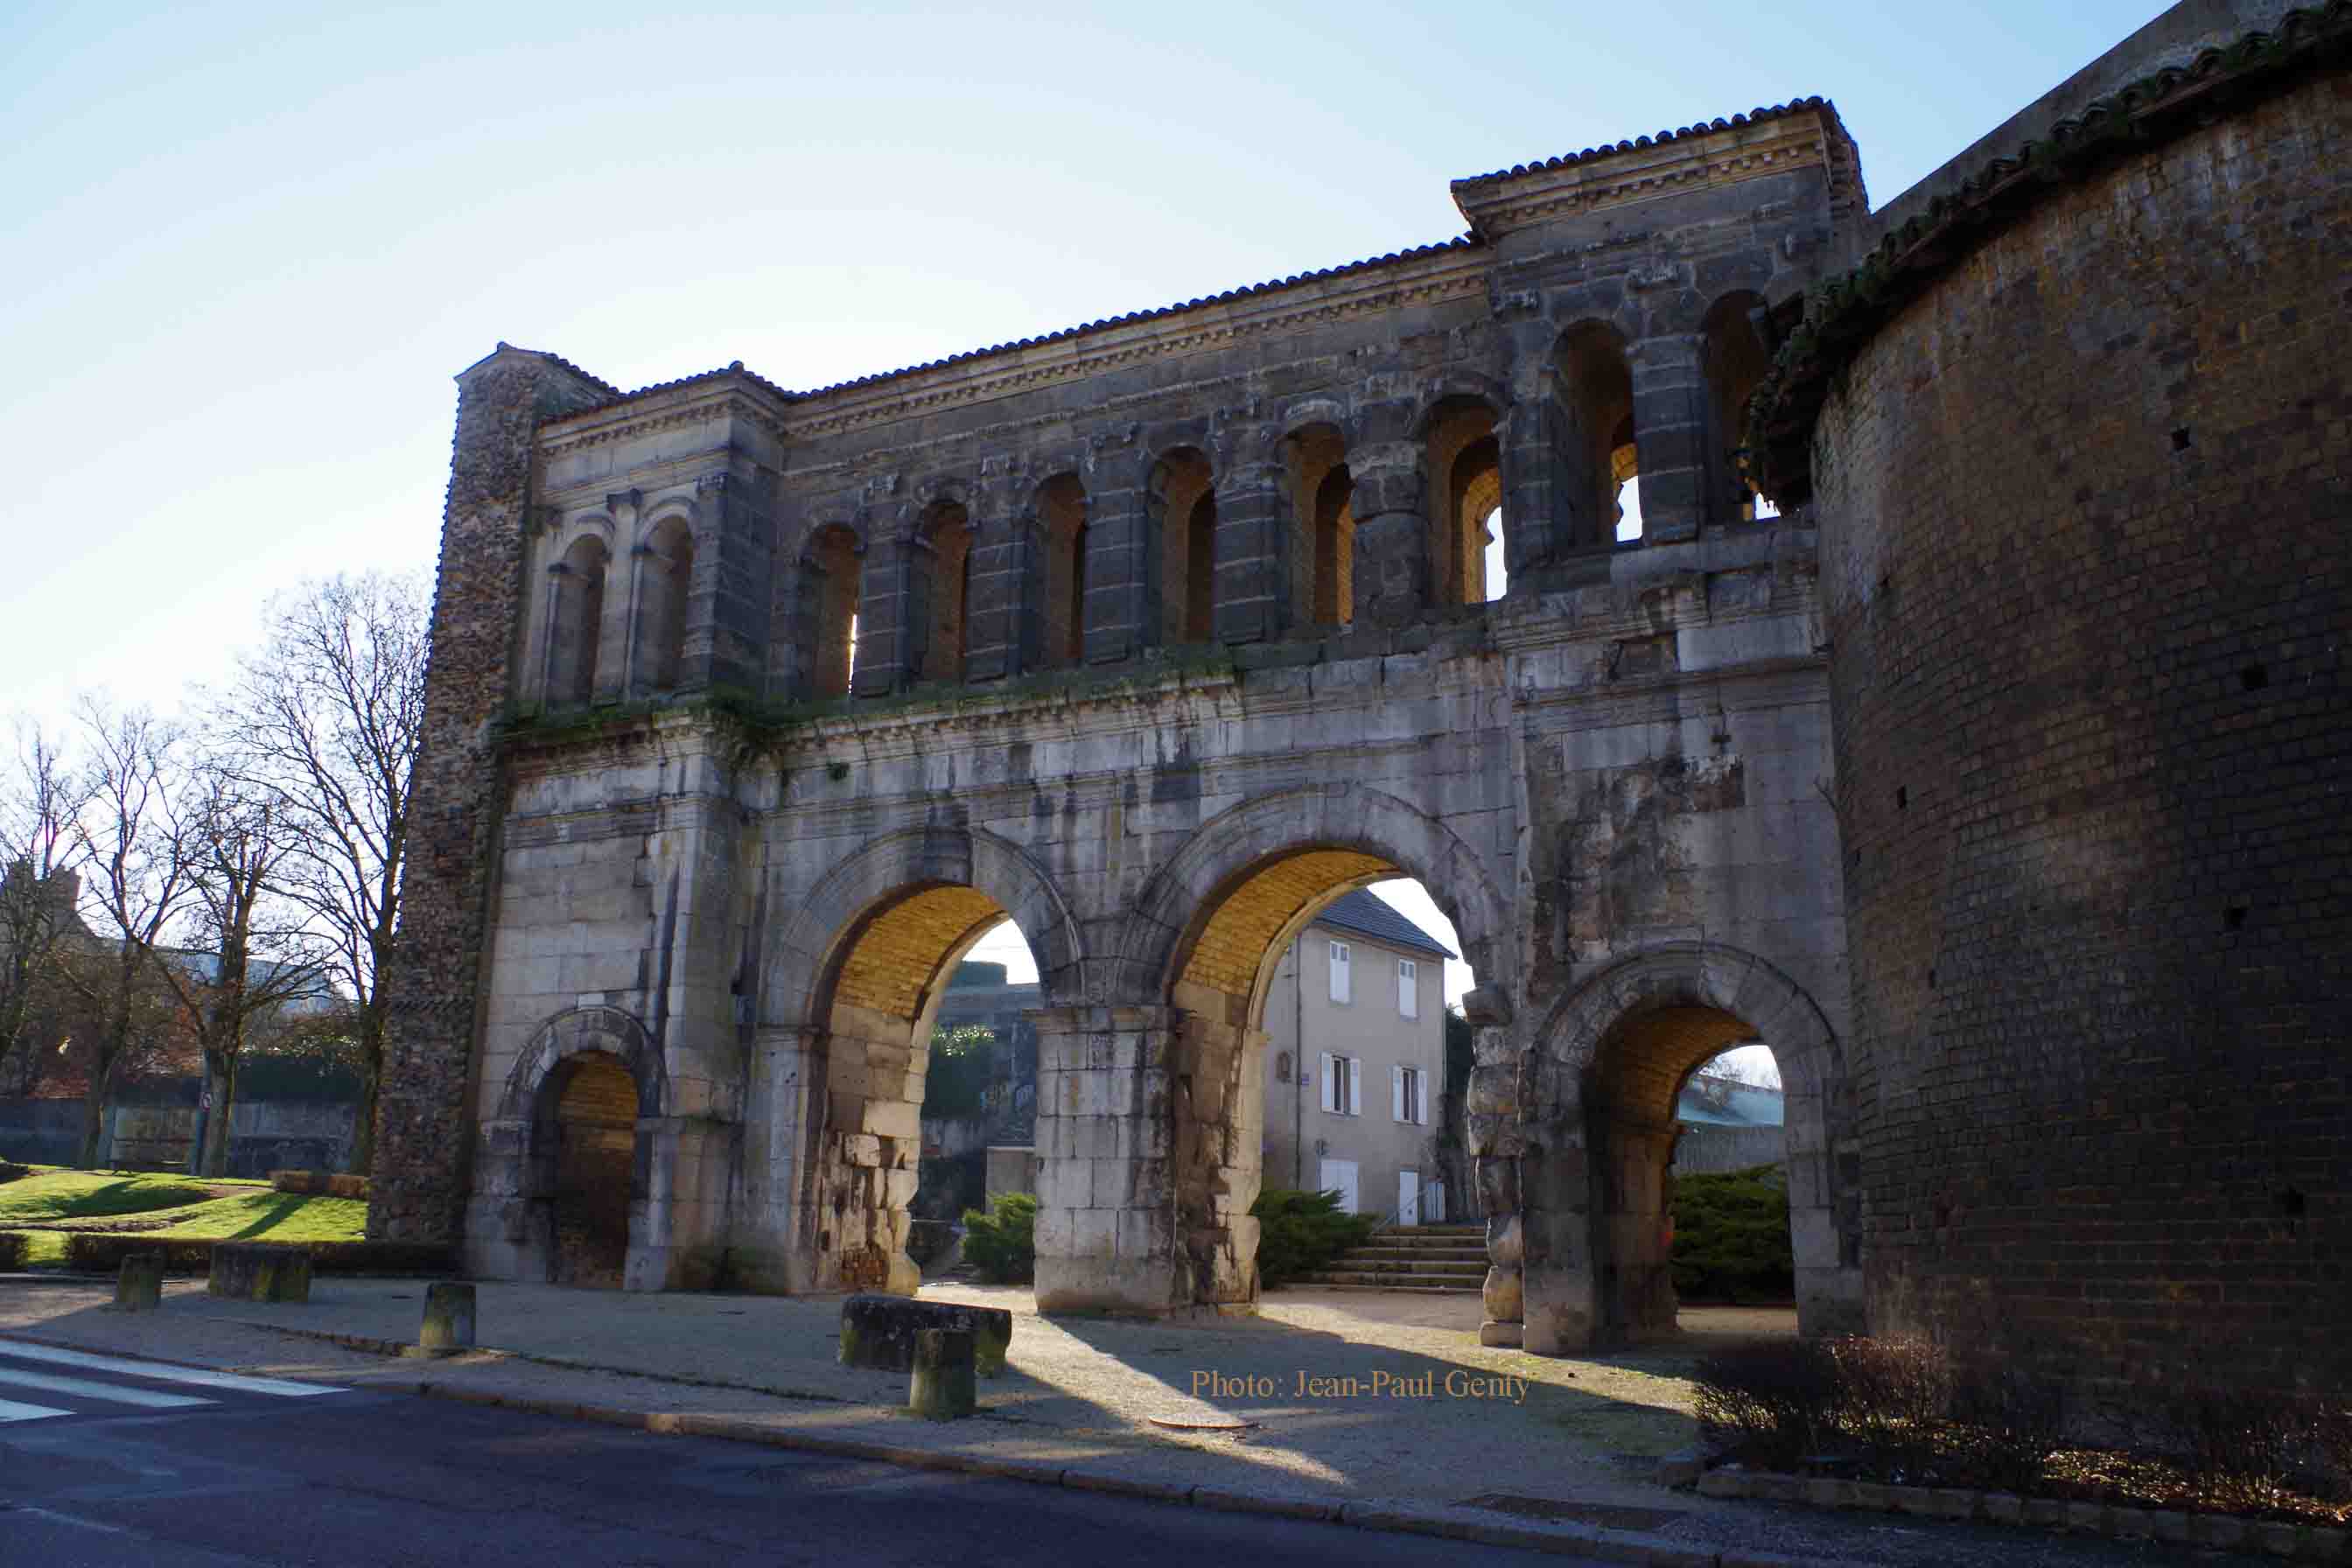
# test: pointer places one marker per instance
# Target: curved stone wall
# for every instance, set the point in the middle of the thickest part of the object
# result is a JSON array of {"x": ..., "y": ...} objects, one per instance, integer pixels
[{"x": 2084, "y": 506}]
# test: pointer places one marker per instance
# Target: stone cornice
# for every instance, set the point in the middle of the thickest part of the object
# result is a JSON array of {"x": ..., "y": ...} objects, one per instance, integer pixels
[
  {"x": 669, "y": 408},
  {"x": 1694, "y": 160}
]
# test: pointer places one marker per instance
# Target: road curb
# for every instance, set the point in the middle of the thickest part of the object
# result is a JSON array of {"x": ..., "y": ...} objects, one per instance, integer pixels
[{"x": 1401, "y": 1518}]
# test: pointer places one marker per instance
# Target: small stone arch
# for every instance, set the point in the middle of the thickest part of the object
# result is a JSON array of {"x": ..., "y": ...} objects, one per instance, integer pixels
[
  {"x": 568, "y": 1033},
  {"x": 1452, "y": 387},
  {"x": 1582, "y": 1251},
  {"x": 679, "y": 509}
]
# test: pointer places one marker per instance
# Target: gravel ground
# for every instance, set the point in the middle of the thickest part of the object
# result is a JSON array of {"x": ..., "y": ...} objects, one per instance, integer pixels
[{"x": 1429, "y": 1416}]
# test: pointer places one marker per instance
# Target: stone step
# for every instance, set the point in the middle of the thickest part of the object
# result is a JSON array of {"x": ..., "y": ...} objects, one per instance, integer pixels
[
  {"x": 1353, "y": 1282},
  {"x": 1431, "y": 1254},
  {"x": 1405, "y": 1260},
  {"x": 1410, "y": 1275}
]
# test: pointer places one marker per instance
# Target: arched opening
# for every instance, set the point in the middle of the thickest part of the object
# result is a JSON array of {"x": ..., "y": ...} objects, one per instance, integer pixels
[
  {"x": 946, "y": 571},
  {"x": 1465, "y": 466},
  {"x": 1729, "y": 1196},
  {"x": 980, "y": 1086},
  {"x": 1321, "y": 1050},
  {"x": 1599, "y": 462},
  {"x": 576, "y": 620},
  {"x": 1183, "y": 498},
  {"x": 876, "y": 1007},
  {"x": 829, "y": 593},
  {"x": 588, "y": 1127},
  {"x": 1735, "y": 363},
  {"x": 1591, "y": 1187},
  {"x": 1323, "y": 523},
  {"x": 663, "y": 590},
  {"x": 1062, "y": 527}
]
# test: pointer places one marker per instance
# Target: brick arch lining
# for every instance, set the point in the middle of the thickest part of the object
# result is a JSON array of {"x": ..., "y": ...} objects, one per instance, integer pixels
[
  {"x": 1181, "y": 904},
  {"x": 824, "y": 933}
]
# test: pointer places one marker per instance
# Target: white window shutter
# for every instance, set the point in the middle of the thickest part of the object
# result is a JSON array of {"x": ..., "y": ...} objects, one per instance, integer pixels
[
  {"x": 1330, "y": 1084},
  {"x": 1396, "y": 1094},
  {"x": 1339, "y": 971},
  {"x": 1424, "y": 1100},
  {"x": 1355, "y": 1086},
  {"x": 1408, "y": 988}
]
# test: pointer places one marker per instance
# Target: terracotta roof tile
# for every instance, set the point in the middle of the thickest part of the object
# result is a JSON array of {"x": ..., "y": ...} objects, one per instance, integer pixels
[{"x": 1773, "y": 111}]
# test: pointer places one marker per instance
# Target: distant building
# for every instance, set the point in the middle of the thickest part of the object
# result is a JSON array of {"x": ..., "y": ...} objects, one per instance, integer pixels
[
  {"x": 1728, "y": 1126},
  {"x": 1355, "y": 1060}
]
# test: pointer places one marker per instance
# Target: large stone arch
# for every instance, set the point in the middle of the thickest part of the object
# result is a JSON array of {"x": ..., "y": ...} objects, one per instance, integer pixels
[
  {"x": 854, "y": 982},
  {"x": 1150, "y": 1121},
  {"x": 1580, "y": 1178}
]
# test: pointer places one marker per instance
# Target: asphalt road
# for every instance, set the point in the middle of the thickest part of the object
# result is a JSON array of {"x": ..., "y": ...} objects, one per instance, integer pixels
[{"x": 110, "y": 1463}]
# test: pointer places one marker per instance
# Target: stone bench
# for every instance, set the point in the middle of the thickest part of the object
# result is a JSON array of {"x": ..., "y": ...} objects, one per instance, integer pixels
[
  {"x": 878, "y": 1332},
  {"x": 258, "y": 1271}
]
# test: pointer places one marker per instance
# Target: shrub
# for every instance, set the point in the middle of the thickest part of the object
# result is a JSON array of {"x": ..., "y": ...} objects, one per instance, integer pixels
[
  {"x": 13, "y": 1244},
  {"x": 2006, "y": 1420},
  {"x": 1003, "y": 1246},
  {"x": 102, "y": 1252},
  {"x": 10, "y": 1171},
  {"x": 1300, "y": 1233},
  {"x": 1892, "y": 1397},
  {"x": 1772, "y": 1402},
  {"x": 297, "y": 1182},
  {"x": 2251, "y": 1448},
  {"x": 1731, "y": 1236},
  {"x": 347, "y": 1187}
]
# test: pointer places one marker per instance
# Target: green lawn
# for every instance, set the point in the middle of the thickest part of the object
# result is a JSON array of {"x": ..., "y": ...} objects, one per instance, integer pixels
[{"x": 257, "y": 1213}]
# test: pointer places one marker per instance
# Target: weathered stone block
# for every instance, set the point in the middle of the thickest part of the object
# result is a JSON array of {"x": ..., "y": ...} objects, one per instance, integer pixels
[
  {"x": 448, "y": 1323},
  {"x": 256, "y": 1271},
  {"x": 880, "y": 1331}
]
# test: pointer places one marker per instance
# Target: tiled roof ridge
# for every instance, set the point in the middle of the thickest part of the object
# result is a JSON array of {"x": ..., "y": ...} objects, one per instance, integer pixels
[
  {"x": 1366, "y": 914},
  {"x": 1610, "y": 149},
  {"x": 1841, "y": 312},
  {"x": 1247, "y": 290}
]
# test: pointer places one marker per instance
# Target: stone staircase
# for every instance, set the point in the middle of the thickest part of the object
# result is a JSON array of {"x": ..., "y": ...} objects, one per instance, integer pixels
[{"x": 1423, "y": 1259}]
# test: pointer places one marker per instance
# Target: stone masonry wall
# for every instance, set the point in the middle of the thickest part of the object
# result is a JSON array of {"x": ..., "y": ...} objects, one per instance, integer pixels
[{"x": 2084, "y": 511}]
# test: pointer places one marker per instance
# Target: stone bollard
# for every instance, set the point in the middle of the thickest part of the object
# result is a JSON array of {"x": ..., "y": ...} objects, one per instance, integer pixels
[
  {"x": 449, "y": 1319},
  {"x": 138, "y": 1288},
  {"x": 942, "y": 1387},
  {"x": 257, "y": 1271}
]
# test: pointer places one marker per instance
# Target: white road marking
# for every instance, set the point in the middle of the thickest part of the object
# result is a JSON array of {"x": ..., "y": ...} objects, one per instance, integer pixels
[
  {"x": 12, "y": 1411},
  {"x": 42, "y": 1382},
  {"x": 199, "y": 1376}
]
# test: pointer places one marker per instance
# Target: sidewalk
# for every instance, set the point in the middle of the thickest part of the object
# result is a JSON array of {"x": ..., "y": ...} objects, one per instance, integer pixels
[{"x": 1350, "y": 1399}]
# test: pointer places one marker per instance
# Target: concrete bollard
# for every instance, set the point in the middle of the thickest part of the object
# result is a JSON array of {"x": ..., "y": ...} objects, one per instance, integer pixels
[
  {"x": 139, "y": 1287},
  {"x": 942, "y": 1387},
  {"x": 448, "y": 1317}
]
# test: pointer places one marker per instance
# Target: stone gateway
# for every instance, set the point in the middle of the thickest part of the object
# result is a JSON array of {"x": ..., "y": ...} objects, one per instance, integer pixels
[{"x": 1995, "y": 779}]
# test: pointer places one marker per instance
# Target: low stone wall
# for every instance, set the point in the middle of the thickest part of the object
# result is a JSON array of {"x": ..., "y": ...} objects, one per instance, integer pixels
[{"x": 263, "y": 1135}]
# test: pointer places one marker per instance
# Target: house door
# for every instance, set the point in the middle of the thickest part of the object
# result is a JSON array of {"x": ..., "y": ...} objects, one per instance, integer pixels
[
  {"x": 1340, "y": 1176},
  {"x": 1408, "y": 1197}
]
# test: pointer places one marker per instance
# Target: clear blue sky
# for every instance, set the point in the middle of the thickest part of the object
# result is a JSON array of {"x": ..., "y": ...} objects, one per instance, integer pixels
[{"x": 244, "y": 249}]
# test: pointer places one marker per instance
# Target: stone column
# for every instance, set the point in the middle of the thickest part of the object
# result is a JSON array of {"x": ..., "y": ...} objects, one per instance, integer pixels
[
  {"x": 1251, "y": 598},
  {"x": 773, "y": 1221},
  {"x": 1391, "y": 558},
  {"x": 1000, "y": 615},
  {"x": 894, "y": 611},
  {"x": 727, "y": 600},
  {"x": 1122, "y": 563},
  {"x": 425, "y": 1112},
  {"x": 616, "y": 636},
  {"x": 1670, "y": 427},
  {"x": 1106, "y": 1198},
  {"x": 1538, "y": 521}
]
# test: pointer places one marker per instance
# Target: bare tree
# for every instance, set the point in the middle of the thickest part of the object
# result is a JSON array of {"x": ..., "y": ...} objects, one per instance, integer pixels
[
  {"x": 132, "y": 845},
  {"x": 251, "y": 955},
  {"x": 41, "y": 797},
  {"x": 325, "y": 716}
]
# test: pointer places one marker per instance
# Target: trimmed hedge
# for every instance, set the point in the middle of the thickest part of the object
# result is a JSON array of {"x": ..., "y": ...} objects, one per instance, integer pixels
[
  {"x": 1731, "y": 1236},
  {"x": 1299, "y": 1233},
  {"x": 12, "y": 1243},
  {"x": 1003, "y": 1247},
  {"x": 97, "y": 1253}
]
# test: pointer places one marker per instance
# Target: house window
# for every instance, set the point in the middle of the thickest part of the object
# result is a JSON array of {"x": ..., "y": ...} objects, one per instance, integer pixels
[
  {"x": 1343, "y": 1085},
  {"x": 1409, "y": 1094},
  {"x": 1340, "y": 968},
  {"x": 1408, "y": 988}
]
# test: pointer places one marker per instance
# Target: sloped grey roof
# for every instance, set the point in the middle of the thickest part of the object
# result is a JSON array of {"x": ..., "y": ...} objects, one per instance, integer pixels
[{"x": 1370, "y": 917}]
